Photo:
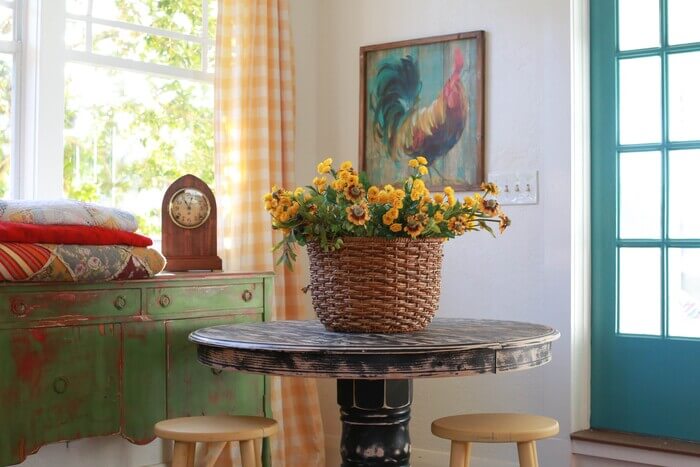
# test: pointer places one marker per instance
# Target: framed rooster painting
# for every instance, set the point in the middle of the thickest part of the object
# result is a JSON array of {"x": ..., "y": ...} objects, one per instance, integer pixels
[{"x": 424, "y": 97}]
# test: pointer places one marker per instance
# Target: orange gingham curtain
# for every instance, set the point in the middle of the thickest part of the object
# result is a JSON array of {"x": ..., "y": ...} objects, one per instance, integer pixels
[{"x": 254, "y": 113}]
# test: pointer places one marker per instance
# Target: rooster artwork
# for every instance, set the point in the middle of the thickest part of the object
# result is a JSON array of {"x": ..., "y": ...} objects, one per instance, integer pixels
[{"x": 425, "y": 100}]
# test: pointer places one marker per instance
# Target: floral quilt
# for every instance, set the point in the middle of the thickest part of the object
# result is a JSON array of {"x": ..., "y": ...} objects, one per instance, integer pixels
[
  {"x": 77, "y": 263},
  {"x": 66, "y": 212}
]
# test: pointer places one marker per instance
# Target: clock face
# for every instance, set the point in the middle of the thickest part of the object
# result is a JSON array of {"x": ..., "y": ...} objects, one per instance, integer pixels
[{"x": 189, "y": 208}]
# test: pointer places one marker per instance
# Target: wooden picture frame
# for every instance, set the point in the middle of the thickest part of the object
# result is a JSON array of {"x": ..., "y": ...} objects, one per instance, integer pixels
[{"x": 424, "y": 97}]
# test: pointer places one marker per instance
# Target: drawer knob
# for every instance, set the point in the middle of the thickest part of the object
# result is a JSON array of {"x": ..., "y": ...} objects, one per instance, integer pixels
[
  {"x": 247, "y": 295},
  {"x": 19, "y": 308},
  {"x": 164, "y": 300},
  {"x": 120, "y": 303},
  {"x": 216, "y": 371},
  {"x": 60, "y": 385}
]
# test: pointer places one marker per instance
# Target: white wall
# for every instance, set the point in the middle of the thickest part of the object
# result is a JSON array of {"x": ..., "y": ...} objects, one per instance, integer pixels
[{"x": 524, "y": 275}]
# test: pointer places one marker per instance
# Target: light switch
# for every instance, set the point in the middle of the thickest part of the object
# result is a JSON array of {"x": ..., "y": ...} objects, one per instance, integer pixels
[{"x": 516, "y": 187}]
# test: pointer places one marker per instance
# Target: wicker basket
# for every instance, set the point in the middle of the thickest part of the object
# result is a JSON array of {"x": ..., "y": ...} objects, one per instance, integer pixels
[{"x": 376, "y": 285}]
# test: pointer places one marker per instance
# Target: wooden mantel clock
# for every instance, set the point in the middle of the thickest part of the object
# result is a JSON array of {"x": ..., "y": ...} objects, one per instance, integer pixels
[{"x": 189, "y": 226}]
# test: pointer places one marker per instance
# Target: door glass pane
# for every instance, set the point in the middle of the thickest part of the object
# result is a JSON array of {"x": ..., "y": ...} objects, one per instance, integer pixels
[
  {"x": 638, "y": 24},
  {"x": 684, "y": 96},
  {"x": 128, "y": 135},
  {"x": 640, "y": 195},
  {"x": 640, "y": 291},
  {"x": 683, "y": 19},
  {"x": 6, "y": 15},
  {"x": 640, "y": 100},
  {"x": 5, "y": 123},
  {"x": 684, "y": 292},
  {"x": 684, "y": 200}
]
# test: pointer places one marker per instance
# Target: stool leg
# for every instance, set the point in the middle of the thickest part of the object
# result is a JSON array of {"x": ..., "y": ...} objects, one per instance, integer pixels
[
  {"x": 527, "y": 454},
  {"x": 183, "y": 454},
  {"x": 213, "y": 453},
  {"x": 248, "y": 453},
  {"x": 258, "y": 452},
  {"x": 459, "y": 454}
]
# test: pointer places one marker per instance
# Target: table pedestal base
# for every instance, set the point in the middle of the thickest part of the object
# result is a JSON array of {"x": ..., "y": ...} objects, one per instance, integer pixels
[{"x": 375, "y": 416}]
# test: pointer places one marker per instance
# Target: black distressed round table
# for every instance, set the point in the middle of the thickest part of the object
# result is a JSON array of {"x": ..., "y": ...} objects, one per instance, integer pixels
[{"x": 375, "y": 371}]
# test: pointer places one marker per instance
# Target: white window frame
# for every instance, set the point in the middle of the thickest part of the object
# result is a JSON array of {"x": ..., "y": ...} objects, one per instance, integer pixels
[{"x": 38, "y": 162}]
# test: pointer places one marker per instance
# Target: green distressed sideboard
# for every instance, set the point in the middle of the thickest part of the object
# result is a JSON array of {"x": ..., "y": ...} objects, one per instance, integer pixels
[{"x": 81, "y": 360}]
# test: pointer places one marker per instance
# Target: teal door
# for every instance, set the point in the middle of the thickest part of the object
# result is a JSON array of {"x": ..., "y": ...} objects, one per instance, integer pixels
[{"x": 645, "y": 142}]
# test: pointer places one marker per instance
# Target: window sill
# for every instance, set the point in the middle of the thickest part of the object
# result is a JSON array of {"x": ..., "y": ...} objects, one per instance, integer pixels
[{"x": 632, "y": 440}]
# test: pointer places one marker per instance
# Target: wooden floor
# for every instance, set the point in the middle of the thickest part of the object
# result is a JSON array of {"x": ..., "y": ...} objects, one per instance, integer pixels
[{"x": 634, "y": 440}]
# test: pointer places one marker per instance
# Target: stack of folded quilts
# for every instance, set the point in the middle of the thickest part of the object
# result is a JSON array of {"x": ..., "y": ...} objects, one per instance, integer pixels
[{"x": 72, "y": 241}]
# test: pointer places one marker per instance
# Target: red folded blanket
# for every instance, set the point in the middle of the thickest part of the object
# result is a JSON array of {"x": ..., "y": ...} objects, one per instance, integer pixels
[{"x": 69, "y": 234}]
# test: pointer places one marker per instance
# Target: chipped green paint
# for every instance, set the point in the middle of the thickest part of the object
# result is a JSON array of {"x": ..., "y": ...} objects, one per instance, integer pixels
[{"x": 82, "y": 360}]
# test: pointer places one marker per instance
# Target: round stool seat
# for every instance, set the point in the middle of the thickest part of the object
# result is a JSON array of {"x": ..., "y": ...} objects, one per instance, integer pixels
[
  {"x": 495, "y": 427},
  {"x": 216, "y": 428}
]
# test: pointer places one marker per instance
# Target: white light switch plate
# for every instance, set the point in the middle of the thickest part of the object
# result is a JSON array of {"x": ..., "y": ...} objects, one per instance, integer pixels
[{"x": 516, "y": 187}]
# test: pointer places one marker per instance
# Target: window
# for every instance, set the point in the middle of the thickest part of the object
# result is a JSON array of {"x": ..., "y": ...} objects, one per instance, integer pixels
[
  {"x": 645, "y": 110},
  {"x": 138, "y": 101},
  {"x": 9, "y": 51}
]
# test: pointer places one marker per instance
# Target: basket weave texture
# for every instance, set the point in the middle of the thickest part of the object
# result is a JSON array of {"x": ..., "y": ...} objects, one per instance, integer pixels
[{"x": 376, "y": 285}]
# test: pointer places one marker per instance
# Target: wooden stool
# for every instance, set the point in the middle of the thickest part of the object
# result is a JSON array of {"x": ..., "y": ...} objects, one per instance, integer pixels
[
  {"x": 523, "y": 429},
  {"x": 216, "y": 432}
]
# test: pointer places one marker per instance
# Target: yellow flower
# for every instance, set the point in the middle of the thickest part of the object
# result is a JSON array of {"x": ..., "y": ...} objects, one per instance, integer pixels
[
  {"x": 417, "y": 189},
  {"x": 395, "y": 227},
  {"x": 388, "y": 188},
  {"x": 358, "y": 214},
  {"x": 490, "y": 187},
  {"x": 320, "y": 184},
  {"x": 449, "y": 190},
  {"x": 347, "y": 165},
  {"x": 422, "y": 160},
  {"x": 328, "y": 161},
  {"x": 299, "y": 191},
  {"x": 388, "y": 219},
  {"x": 339, "y": 185},
  {"x": 413, "y": 163},
  {"x": 353, "y": 192},
  {"x": 489, "y": 207},
  {"x": 438, "y": 216},
  {"x": 414, "y": 225},
  {"x": 373, "y": 194},
  {"x": 323, "y": 168},
  {"x": 504, "y": 223},
  {"x": 457, "y": 225},
  {"x": 439, "y": 198},
  {"x": 469, "y": 202},
  {"x": 267, "y": 197},
  {"x": 423, "y": 170}
]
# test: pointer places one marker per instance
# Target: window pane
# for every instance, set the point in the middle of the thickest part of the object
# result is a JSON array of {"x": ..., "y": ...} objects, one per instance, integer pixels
[
  {"x": 174, "y": 15},
  {"x": 77, "y": 7},
  {"x": 683, "y": 18},
  {"x": 6, "y": 19},
  {"x": 639, "y": 24},
  {"x": 150, "y": 48},
  {"x": 684, "y": 292},
  {"x": 5, "y": 123},
  {"x": 684, "y": 214},
  {"x": 640, "y": 195},
  {"x": 684, "y": 96},
  {"x": 640, "y": 100},
  {"x": 129, "y": 135},
  {"x": 212, "y": 17},
  {"x": 75, "y": 35},
  {"x": 640, "y": 291}
]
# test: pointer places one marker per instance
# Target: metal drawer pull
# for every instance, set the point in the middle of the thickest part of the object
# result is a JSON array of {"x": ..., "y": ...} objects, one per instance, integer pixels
[
  {"x": 60, "y": 385},
  {"x": 247, "y": 295},
  {"x": 164, "y": 300},
  {"x": 19, "y": 309},
  {"x": 120, "y": 303},
  {"x": 216, "y": 371}
]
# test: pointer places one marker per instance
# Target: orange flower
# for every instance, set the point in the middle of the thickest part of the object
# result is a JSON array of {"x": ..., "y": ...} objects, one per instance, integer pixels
[
  {"x": 505, "y": 222},
  {"x": 489, "y": 207},
  {"x": 354, "y": 192},
  {"x": 358, "y": 214}
]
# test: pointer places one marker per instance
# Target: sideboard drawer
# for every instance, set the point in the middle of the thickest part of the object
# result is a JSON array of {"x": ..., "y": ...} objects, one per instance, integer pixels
[
  {"x": 67, "y": 304},
  {"x": 210, "y": 297}
]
